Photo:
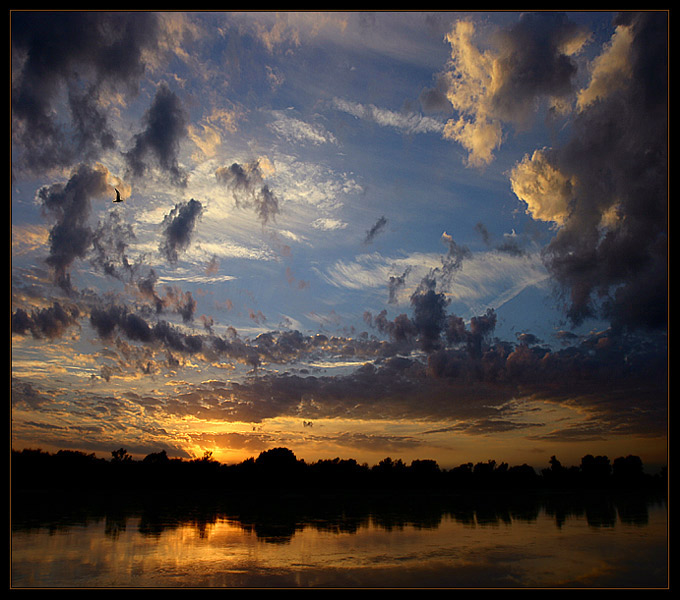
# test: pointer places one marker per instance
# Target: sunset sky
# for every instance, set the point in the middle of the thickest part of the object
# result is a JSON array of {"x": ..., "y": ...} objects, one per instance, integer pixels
[{"x": 418, "y": 235}]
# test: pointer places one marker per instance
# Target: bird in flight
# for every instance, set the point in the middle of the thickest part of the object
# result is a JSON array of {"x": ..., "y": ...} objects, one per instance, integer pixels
[{"x": 118, "y": 198}]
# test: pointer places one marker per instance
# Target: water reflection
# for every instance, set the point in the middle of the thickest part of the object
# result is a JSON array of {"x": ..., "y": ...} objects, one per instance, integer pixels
[
  {"x": 344, "y": 541},
  {"x": 279, "y": 520}
]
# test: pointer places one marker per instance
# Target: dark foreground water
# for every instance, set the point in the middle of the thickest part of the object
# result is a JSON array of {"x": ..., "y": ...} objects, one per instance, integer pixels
[{"x": 556, "y": 540}]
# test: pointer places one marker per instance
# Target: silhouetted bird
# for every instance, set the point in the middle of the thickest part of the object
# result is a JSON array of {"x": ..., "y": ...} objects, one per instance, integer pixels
[{"x": 118, "y": 198}]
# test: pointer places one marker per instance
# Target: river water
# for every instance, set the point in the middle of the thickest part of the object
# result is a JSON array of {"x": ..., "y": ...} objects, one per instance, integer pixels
[{"x": 484, "y": 542}]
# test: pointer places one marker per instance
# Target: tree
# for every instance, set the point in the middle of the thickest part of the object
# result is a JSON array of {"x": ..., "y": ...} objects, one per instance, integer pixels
[
  {"x": 278, "y": 467},
  {"x": 207, "y": 457},
  {"x": 277, "y": 458},
  {"x": 156, "y": 458},
  {"x": 628, "y": 469},
  {"x": 121, "y": 455},
  {"x": 595, "y": 469},
  {"x": 424, "y": 467},
  {"x": 555, "y": 465}
]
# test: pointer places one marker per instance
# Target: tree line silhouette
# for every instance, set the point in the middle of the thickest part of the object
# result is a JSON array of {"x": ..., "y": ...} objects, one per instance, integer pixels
[{"x": 279, "y": 469}]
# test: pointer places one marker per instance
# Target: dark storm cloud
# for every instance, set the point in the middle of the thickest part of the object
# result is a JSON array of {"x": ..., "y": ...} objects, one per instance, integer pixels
[
  {"x": 617, "y": 158},
  {"x": 50, "y": 323},
  {"x": 379, "y": 225},
  {"x": 69, "y": 206},
  {"x": 534, "y": 62},
  {"x": 106, "y": 321},
  {"x": 401, "y": 330},
  {"x": 111, "y": 321},
  {"x": 465, "y": 375},
  {"x": 73, "y": 237},
  {"x": 178, "y": 228},
  {"x": 431, "y": 328},
  {"x": 524, "y": 67},
  {"x": 429, "y": 317},
  {"x": 480, "y": 391},
  {"x": 369, "y": 391},
  {"x": 528, "y": 338},
  {"x": 86, "y": 55},
  {"x": 165, "y": 128},
  {"x": 246, "y": 183},
  {"x": 93, "y": 133},
  {"x": 429, "y": 305},
  {"x": 481, "y": 327},
  {"x": 618, "y": 385}
]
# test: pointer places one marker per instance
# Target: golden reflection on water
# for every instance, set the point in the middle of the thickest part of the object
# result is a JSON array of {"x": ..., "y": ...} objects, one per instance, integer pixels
[{"x": 468, "y": 550}]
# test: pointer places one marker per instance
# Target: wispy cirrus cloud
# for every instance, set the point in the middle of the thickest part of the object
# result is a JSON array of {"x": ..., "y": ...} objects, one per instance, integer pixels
[
  {"x": 297, "y": 130},
  {"x": 490, "y": 278},
  {"x": 408, "y": 122}
]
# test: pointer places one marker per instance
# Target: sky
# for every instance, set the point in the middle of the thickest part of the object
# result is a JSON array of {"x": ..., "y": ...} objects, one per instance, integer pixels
[{"x": 351, "y": 234}]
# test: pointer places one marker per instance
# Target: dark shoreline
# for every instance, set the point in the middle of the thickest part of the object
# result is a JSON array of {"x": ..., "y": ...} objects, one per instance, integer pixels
[{"x": 278, "y": 473}]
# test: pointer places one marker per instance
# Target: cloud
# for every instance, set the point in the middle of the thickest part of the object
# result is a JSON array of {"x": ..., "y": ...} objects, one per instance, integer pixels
[
  {"x": 465, "y": 375},
  {"x": 59, "y": 52},
  {"x": 73, "y": 236},
  {"x": 535, "y": 61},
  {"x": 182, "y": 302},
  {"x": 546, "y": 191},
  {"x": 395, "y": 283},
  {"x": 113, "y": 321},
  {"x": 27, "y": 238},
  {"x": 433, "y": 368},
  {"x": 606, "y": 186},
  {"x": 70, "y": 207},
  {"x": 451, "y": 263},
  {"x": 592, "y": 187},
  {"x": 110, "y": 241},
  {"x": 408, "y": 122},
  {"x": 179, "y": 226},
  {"x": 296, "y": 130},
  {"x": 165, "y": 127},
  {"x": 173, "y": 298},
  {"x": 529, "y": 61},
  {"x": 431, "y": 329},
  {"x": 281, "y": 33},
  {"x": 603, "y": 191},
  {"x": 90, "y": 123},
  {"x": 510, "y": 244},
  {"x": 49, "y": 323},
  {"x": 478, "y": 280},
  {"x": 430, "y": 320},
  {"x": 246, "y": 183},
  {"x": 328, "y": 224},
  {"x": 379, "y": 225},
  {"x": 147, "y": 289},
  {"x": 429, "y": 316},
  {"x": 365, "y": 272},
  {"x": 478, "y": 391},
  {"x": 208, "y": 134},
  {"x": 610, "y": 70}
]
